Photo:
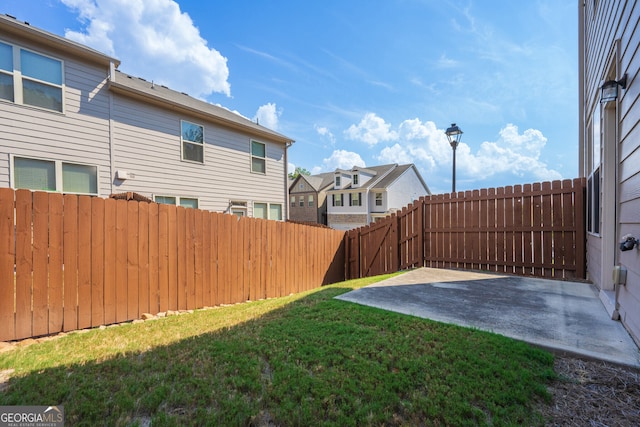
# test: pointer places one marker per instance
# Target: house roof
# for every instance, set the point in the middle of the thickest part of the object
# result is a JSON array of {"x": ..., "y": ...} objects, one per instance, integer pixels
[
  {"x": 385, "y": 175},
  {"x": 390, "y": 178},
  {"x": 317, "y": 182},
  {"x": 24, "y": 30},
  {"x": 140, "y": 88},
  {"x": 164, "y": 97}
]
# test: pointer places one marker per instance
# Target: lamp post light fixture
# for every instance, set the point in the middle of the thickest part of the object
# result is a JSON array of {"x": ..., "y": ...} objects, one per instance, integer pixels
[
  {"x": 609, "y": 89},
  {"x": 454, "y": 134}
]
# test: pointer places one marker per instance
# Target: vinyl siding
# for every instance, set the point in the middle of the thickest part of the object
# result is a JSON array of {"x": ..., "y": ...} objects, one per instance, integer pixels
[
  {"x": 80, "y": 134},
  {"x": 147, "y": 143},
  {"x": 617, "y": 20}
]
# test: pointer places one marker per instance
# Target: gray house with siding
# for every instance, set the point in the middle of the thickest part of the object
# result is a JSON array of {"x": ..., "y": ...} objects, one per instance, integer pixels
[
  {"x": 71, "y": 122},
  {"x": 609, "y": 152}
]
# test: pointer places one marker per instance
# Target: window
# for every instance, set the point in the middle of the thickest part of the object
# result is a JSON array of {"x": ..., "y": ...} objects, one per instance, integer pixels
[
  {"x": 275, "y": 211},
  {"x": 293, "y": 201},
  {"x": 354, "y": 199},
  {"x": 337, "y": 199},
  {"x": 192, "y": 137},
  {"x": 301, "y": 186},
  {"x": 593, "y": 180},
  {"x": 310, "y": 198},
  {"x": 355, "y": 179},
  {"x": 301, "y": 201},
  {"x": 185, "y": 202},
  {"x": 51, "y": 175},
  {"x": 38, "y": 78},
  {"x": 378, "y": 199},
  {"x": 267, "y": 211},
  {"x": 337, "y": 182},
  {"x": 260, "y": 210},
  {"x": 258, "y": 157}
]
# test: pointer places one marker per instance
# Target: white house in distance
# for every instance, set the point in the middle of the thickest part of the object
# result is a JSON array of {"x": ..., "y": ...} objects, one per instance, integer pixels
[
  {"x": 71, "y": 122},
  {"x": 609, "y": 40},
  {"x": 361, "y": 195}
]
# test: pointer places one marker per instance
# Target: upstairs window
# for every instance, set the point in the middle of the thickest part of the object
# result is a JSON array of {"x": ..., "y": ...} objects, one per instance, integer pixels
[
  {"x": 355, "y": 179},
  {"x": 310, "y": 200},
  {"x": 192, "y": 137},
  {"x": 258, "y": 157},
  {"x": 337, "y": 182},
  {"x": 38, "y": 78},
  {"x": 293, "y": 201},
  {"x": 378, "y": 199},
  {"x": 337, "y": 199},
  {"x": 354, "y": 199},
  {"x": 302, "y": 201}
]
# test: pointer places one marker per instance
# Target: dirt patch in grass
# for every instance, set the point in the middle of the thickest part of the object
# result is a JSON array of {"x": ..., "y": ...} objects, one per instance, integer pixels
[{"x": 593, "y": 393}]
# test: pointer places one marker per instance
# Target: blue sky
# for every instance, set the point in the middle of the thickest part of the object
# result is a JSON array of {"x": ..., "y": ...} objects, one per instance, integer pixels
[{"x": 362, "y": 82}]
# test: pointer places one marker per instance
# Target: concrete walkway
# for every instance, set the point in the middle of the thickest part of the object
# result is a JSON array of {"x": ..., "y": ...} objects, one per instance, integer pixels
[{"x": 558, "y": 315}]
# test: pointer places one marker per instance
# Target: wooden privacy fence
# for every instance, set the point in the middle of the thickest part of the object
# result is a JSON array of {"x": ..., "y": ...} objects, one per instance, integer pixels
[
  {"x": 73, "y": 262},
  {"x": 535, "y": 229}
]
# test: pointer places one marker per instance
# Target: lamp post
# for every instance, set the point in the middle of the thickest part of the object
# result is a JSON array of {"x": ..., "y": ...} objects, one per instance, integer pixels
[{"x": 454, "y": 134}]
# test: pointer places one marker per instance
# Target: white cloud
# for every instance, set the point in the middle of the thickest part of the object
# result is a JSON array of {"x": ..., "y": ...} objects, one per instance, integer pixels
[
  {"x": 154, "y": 40},
  {"x": 268, "y": 115},
  {"x": 339, "y": 159},
  {"x": 515, "y": 154},
  {"x": 371, "y": 130},
  {"x": 324, "y": 131}
]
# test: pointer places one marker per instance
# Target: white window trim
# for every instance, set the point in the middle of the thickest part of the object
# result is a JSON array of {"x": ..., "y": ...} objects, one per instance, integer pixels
[
  {"x": 178, "y": 198},
  {"x": 18, "y": 94},
  {"x": 269, "y": 210},
  {"x": 251, "y": 156},
  {"x": 58, "y": 171},
  {"x": 182, "y": 142}
]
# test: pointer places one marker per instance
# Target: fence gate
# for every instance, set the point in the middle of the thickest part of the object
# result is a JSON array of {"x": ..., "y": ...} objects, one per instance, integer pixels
[{"x": 379, "y": 248}]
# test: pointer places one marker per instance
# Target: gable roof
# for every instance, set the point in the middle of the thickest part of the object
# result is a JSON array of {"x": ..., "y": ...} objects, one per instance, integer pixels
[
  {"x": 384, "y": 176},
  {"x": 317, "y": 182},
  {"x": 149, "y": 92},
  {"x": 24, "y": 30},
  {"x": 390, "y": 178}
]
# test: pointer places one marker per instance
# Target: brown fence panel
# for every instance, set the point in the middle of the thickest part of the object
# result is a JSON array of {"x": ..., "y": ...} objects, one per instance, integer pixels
[
  {"x": 110, "y": 257},
  {"x": 410, "y": 235},
  {"x": 154, "y": 256},
  {"x": 70, "y": 256},
  {"x": 40, "y": 297},
  {"x": 56, "y": 289},
  {"x": 143, "y": 258},
  {"x": 97, "y": 262},
  {"x": 24, "y": 263},
  {"x": 121, "y": 260},
  {"x": 7, "y": 265}
]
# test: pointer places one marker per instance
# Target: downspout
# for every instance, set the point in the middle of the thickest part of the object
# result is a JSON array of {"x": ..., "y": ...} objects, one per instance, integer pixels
[
  {"x": 112, "y": 155},
  {"x": 286, "y": 180}
]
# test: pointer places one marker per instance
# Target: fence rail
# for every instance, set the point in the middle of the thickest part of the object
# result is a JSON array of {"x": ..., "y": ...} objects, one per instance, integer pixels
[
  {"x": 535, "y": 229},
  {"x": 72, "y": 262}
]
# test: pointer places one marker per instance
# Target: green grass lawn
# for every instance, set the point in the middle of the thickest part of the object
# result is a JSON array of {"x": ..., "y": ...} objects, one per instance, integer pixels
[{"x": 302, "y": 360}]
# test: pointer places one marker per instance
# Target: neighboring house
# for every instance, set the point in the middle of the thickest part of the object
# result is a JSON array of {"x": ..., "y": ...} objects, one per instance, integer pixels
[
  {"x": 610, "y": 151},
  {"x": 71, "y": 122},
  {"x": 308, "y": 198},
  {"x": 362, "y": 195}
]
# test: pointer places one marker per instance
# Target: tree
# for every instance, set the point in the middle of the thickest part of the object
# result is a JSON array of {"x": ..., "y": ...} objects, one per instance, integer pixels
[{"x": 299, "y": 171}]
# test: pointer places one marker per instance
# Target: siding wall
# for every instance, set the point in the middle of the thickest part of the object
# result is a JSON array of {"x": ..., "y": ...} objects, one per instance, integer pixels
[
  {"x": 606, "y": 21},
  {"x": 405, "y": 190},
  {"x": 147, "y": 144},
  {"x": 80, "y": 134}
]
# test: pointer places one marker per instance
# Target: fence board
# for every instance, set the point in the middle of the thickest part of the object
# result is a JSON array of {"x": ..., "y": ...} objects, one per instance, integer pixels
[
  {"x": 122, "y": 248},
  {"x": 24, "y": 263},
  {"x": 163, "y": 258},
  {"x": 110, "y": 266},
  {"x": 190, "y": 243},
  {"x": 40, "y": 298},
  {"x": 172, "y": 241},
  {"x": 70, "y": 256},
  {"x": 527, "y": 223},
  {"x": 181, "y": 239},
  {"x": 7, "y": 262},
  {"x": 154, "y": 254},
  {"x": 199, "y": 258},
  {"x": 56, "y": 304},
  {"x": 143, "y": 257},
  {"x": 547, "y": 239},
  {"x": 84, "y": 262},
  {"x": 133, "y": 265},
  {"x": 97, "y": 261}
]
